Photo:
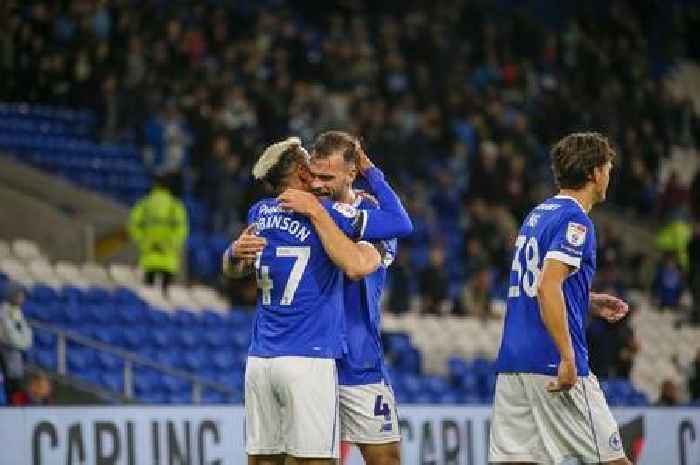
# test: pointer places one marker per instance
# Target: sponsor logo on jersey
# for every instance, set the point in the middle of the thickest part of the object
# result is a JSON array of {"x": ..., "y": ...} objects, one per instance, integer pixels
[
  {"x": 576, "y": 234},
  {"x": 614, "y": 441},
  {"x": 346, "y": 210}
]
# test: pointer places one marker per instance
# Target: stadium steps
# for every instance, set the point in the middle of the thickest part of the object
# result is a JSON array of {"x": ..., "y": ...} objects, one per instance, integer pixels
[{"x": 74, "y": 221}]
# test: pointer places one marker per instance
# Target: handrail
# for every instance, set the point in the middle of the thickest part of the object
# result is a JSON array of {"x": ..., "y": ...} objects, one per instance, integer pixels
[{"x": 129, "y": 358}]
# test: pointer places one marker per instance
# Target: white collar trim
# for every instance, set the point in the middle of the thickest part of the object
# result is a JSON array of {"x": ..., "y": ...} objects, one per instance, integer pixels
[{"x": 560, "y": 196}]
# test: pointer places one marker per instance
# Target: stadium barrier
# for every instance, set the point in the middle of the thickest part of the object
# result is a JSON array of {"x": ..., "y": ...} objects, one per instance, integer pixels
[{"x": 214, "y": 435}]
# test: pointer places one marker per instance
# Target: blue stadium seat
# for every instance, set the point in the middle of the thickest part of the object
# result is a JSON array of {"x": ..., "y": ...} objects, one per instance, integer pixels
[
  {"x": 231, "y": 379},
  {"x": 396, "y": 343},
  {"x": 46, "y": 358},
  {"x": 216, "y": 338},
  {"x": 457, "y": 367},
  {"x": 154, "y": 397},
  {"x": 109, "y": 362},
  {"x": 223, "y": 360},
  {"x": 80, "y": 359},
  {"x": 161, "y": 338},
  {"x": 186, "y": 319},
  {"x": 112, "y": 381},
  {"x": 188, "y": 339},
  {"x": 436, "y": 385},
  {"x": 179, "y": 398},
  {"x": 97, "y": 295},
  {"x": 89, "y": 375},
  {"x": 158, "y": 319},
  {"x": 133, "y": 337},
  {"x": 240, "y": 338},
  {"x": 71, "y": 294},
  {"x": 409, "y": 361},
  {"x": 195, "y": 361},
  {"x": 238, "y": 318},
  {"x": 211, "y": 319},
  {"x": 213, "y": 397},
  {"x": 168, "y": 357},
  {"x": 41, "y": 293},
  {"x": 109, "y": 334},
  {"x": 173, "y": 385},
  {"x": 44, "y": 339},
  {"x": 450, "y": 397}
]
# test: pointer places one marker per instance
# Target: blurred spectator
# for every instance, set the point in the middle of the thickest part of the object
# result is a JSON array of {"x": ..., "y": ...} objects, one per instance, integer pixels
[
  {"x": 434, "y": 283},
  {"x": 669, "y": 395},
  {"x": 401, "y": 284},
  {"x": 15, "y": 338},
  {"x": 475, "y": 299},
  {"x": 167, "y": 146},
  {"x": 674, "y": 236},
  {"x": 694, "y": 273},
  {"x": 225, "y": 183},
  {"x": 612, "y": 347},
  {"x": 158, "y": 226},
  {"x": 39, "y": 391},
  {"x": 668, "y": 282}
]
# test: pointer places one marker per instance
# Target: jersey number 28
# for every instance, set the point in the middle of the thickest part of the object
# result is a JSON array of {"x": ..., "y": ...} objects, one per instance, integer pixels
[
  {"x": 301, "y": 259},
  {"x": 530, "y": 250}
]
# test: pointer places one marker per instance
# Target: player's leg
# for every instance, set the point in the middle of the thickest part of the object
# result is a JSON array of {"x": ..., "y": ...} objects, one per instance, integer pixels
[
  {"x": 264, "y": 444},
  {"x": 308, "y": 389},
  {"x": 369, "y": 419},
  {"x": 381, "y": 454},
  {"x": 576, "y": 423},
  {"x": 514, "y": 438},
  {"x": 266, "y": 459}
]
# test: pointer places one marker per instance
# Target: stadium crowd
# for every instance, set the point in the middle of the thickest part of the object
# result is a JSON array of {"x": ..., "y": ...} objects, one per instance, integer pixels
[{"x": 457, "y": 104}]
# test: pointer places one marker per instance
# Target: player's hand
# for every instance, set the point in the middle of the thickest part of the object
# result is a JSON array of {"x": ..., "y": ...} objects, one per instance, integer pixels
[
  {"x": 363, "y": 163},
  {"x": 248, "y": 244},
  {"x": 610, "y": 308},
  {"x": 566, "y": 377},
  {"x": 298, "y": 201}
]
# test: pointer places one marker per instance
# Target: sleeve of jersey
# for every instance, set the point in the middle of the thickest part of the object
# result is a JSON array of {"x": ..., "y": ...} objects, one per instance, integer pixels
[
  {"x": 391, "y": 214},
  {"x": 357, "y": 224},
  {"x": 571, "y": 240}
]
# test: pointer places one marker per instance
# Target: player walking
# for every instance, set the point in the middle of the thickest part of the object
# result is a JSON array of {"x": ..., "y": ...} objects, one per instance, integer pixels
[{"x": 548, "y": 405}]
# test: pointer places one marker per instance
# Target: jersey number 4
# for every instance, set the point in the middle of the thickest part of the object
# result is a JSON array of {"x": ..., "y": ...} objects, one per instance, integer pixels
[
  {"x": 528, "y": 248},
  {"x": 301, "y": 259}
]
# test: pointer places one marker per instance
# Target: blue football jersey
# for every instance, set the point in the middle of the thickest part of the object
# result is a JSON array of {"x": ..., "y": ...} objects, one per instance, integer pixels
[
  {"x": 557, "y": 229},
  {"x": 364, "y": 361},
  {"x": 300, "y": 290}
]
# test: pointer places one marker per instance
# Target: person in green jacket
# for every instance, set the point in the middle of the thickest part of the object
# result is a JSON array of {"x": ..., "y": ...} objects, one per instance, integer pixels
[{"x": 158, "y": 226}]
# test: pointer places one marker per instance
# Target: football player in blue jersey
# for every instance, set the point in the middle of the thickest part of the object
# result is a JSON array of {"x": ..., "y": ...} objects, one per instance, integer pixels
[
  {"x": 368, "y": 416},
  {"x": 291, "y": 395},
  {"x": 548, "y": 406}
]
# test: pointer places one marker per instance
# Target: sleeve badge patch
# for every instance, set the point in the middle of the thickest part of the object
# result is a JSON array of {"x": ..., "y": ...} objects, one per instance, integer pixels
[
  {"x": 576, "y": 234},
  {"x": 344, "y": 209}
]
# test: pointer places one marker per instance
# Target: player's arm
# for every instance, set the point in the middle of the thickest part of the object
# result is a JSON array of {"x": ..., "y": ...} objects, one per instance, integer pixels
[
  {"x": 554, "y": 315},
  {"x": 238, "y": 260},
  {"x": 608, "y": 307},
  {"x": 388, "y": 200},
  {"x": 357, "y": 260}
]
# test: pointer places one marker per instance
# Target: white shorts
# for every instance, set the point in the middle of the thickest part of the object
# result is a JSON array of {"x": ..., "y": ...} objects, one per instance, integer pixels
[
  {"x": 368, "y": 414},
  {"x": 533, "y": 425},
  {"x": 291, "y": 407}
]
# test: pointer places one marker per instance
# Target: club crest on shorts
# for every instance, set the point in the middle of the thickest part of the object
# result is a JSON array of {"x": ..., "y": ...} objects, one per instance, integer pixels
[
  {"x": 576, "y": 234},
  {"x": 614, "y": 441}
]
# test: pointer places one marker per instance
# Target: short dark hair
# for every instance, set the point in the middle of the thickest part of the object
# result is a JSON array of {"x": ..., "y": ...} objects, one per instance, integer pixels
[
  {"x": 330, "y": 142},
  {"x": 292, "y": 156},
  {"x": 576, "y": 156}
]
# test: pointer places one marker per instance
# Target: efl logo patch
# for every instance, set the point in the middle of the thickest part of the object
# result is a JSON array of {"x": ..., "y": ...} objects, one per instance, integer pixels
[
  {"x": 346, "y": 210},
  {"x": 576, "y": 234}
]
